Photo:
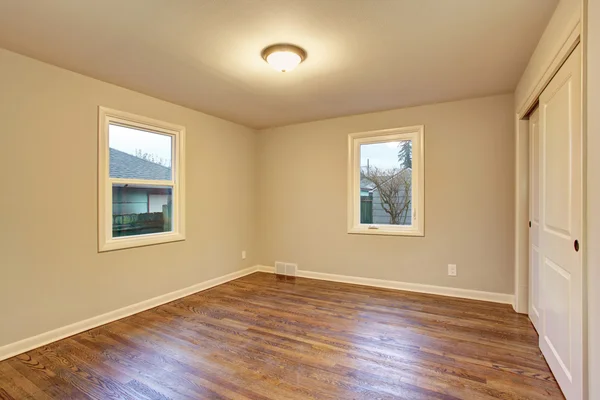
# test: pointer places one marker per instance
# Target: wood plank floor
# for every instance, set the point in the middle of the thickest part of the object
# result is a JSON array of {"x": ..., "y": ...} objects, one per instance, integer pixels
[{"x": 261, "y": 337}]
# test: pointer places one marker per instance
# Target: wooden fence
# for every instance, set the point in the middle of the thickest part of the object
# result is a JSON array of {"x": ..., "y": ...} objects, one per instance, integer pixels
[
  {"x": 366, "y": 209},
  {"x": 138, "y": 224}
]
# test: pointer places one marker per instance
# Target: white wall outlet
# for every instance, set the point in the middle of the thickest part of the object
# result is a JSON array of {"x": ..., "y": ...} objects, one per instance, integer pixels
[
  {"x": 452, "y": 269},
  {"x": 243, "y": 254}
]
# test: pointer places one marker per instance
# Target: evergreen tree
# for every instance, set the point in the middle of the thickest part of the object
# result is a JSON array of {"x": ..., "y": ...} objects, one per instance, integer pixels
[{"x": 405, "y": 154}]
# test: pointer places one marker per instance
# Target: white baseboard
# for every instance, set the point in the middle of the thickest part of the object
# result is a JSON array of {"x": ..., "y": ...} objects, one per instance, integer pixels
[
  {"x": 42, "y": 339},
  {"x": 503, "y": 298}
]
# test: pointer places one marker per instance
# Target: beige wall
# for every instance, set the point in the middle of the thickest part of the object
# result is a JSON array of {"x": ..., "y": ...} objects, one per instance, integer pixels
[
  {"x": 51, "y": 274},
  {"x": 469, "y": 197},
  {"x": 593, "y": 199}
]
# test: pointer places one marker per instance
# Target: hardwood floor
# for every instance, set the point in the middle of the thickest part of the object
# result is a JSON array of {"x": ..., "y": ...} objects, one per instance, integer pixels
[{"x": 261, "y": 337}]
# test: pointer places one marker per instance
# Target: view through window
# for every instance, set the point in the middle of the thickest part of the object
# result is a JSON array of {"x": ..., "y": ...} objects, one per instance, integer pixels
[
  {"x": 137, "y": 155},
  {"x": 386, "y": 183}
]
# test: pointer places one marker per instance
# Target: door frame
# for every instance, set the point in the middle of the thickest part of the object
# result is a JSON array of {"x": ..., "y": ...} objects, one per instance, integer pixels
[
  {"x": 521, "y": 284},
  {"x": 521, "y": 267}
]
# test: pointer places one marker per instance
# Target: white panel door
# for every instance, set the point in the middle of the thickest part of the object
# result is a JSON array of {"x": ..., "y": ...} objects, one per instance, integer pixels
[
  {"x": 561, "y": 335},
  {"x": 534, "y": 220}
]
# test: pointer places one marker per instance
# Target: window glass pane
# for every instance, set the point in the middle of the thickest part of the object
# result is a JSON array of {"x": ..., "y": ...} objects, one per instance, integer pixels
[
  {"x": 138, "y": 154},
  {"x": 386, "y": 183},
  {"x": 140, "y": 210}
]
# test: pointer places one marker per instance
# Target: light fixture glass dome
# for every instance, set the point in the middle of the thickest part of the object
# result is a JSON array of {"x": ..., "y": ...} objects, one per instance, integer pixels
[
  {"x": 284, "y": 60},
  {"x": 283, "y": 57}
]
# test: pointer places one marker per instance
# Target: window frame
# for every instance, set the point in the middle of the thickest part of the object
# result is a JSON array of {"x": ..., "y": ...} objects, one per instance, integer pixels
[
  {"x": 106, "y": 242},
  {"x": 355, "y": 140}
]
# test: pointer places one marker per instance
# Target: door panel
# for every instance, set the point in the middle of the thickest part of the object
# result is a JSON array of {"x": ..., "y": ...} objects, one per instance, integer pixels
[
  {"x": 558, "y": 119},
  {"x": 534, "y": 217},
  {"x": 557, "y": 281},
  {"x": 535, "y": 280},
  {"x": 561, "y": 288}
]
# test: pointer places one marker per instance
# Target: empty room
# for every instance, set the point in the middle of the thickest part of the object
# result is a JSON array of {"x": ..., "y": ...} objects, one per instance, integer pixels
[{"x": 300, "y": 199}]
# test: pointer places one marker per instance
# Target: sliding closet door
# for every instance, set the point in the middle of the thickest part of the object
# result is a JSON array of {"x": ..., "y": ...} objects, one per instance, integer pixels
[
  {"x": 561, "y": 334},
  {"x": 534, "y": 220}
]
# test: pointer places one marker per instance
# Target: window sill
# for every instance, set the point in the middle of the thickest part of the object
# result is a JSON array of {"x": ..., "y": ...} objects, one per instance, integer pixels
[
  {"x": 139, "y": 241},
  {"x": 385, "y": 232}
]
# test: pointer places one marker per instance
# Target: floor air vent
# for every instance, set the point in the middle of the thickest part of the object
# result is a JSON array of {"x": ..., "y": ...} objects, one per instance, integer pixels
[
  {"x": 287, "y": 269},
  {"x": 280, "y": 268},
  {"x": 291, "y": 269}
]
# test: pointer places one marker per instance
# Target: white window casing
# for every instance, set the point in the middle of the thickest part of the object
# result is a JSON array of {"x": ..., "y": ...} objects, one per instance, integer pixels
[
  {"x": 106, "y": 241},
  {"x": 355, "y": 140}
]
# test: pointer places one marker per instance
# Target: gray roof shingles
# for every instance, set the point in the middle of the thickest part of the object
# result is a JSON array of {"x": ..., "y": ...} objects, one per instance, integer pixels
[{"x": 123, "y": 165}]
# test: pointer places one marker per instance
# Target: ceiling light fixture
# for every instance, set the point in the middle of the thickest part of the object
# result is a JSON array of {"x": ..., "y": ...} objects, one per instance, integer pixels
[{"x": 284, "y": 57}]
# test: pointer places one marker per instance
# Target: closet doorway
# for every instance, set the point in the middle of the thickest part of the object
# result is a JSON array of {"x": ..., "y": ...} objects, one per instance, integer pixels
[{"x": 556, "y": 279}]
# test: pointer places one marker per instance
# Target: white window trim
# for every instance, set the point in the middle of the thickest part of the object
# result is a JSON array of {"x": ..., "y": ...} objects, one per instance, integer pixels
[
  {"x": 106, "y": 242},
  {"x": 355, "y": 140}
]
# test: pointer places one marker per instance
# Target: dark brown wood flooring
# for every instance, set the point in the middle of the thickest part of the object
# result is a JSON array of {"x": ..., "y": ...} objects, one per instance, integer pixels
[{"x": 261, "y": 337}]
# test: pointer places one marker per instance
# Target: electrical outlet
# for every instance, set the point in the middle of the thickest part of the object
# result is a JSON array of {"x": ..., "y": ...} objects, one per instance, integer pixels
[
  {"x": 244, "y": 255},
  {"x": 452, "y": 269}
]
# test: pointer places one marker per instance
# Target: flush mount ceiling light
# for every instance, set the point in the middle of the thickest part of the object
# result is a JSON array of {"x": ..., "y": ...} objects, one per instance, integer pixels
[{"x": 284, "y": 57}]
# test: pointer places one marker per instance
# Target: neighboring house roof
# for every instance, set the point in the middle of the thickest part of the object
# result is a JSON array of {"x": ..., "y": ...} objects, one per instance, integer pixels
[
  {"x": 123, "y": 165},
  {"x": 367, "y": 185}
]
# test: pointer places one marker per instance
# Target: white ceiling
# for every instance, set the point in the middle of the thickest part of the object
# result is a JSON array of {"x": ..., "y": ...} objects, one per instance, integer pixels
[{"x": 363, "y": 55}]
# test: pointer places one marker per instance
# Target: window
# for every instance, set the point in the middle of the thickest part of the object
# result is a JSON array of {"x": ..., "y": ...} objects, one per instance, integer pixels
[
  {"x": 140, "y": 181},
  {"x": 385, "y": 182}
]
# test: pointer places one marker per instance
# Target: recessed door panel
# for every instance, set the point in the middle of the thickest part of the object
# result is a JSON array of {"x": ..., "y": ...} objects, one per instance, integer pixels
[
  {"x": 535, "y": 277},
  {"x": 557, "y": 333},
  {"x": 558, "y": 138},
  {"x": 534, "y": 143}
]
